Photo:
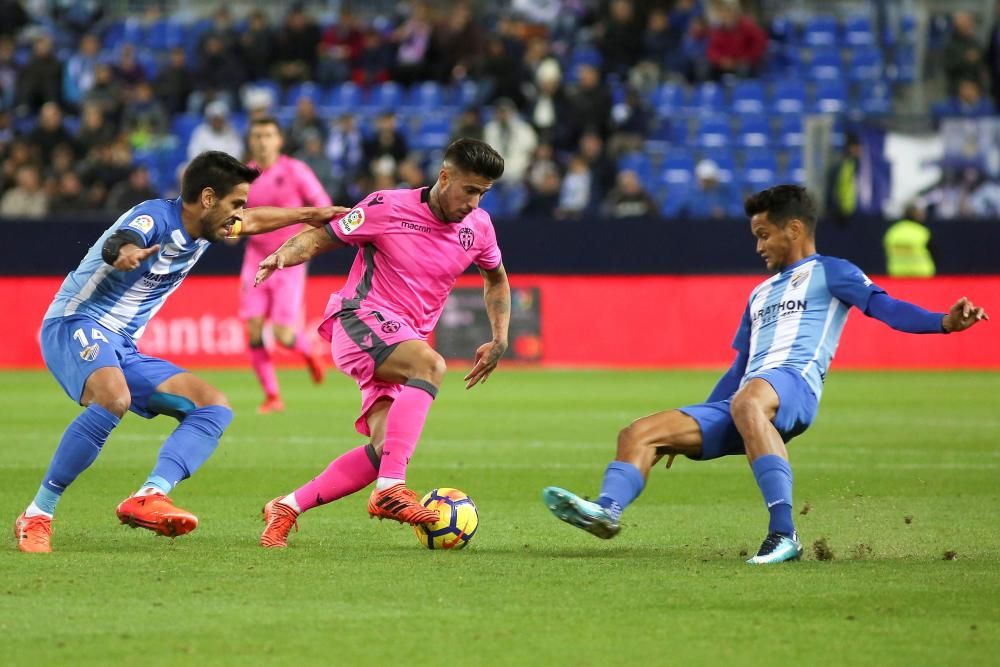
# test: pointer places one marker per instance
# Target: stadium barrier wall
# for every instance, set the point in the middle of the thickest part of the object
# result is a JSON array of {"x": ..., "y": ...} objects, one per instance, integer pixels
[
  {"x": 591, "y": 246},
  {"x": 613, "y": 321}
]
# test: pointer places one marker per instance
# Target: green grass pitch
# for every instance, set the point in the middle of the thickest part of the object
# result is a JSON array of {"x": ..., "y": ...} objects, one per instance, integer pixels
[{"x": 898, "y": 470}]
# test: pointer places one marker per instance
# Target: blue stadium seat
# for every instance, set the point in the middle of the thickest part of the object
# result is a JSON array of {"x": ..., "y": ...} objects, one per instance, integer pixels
[
  {"x": 820, "y": 30},
  {"x": 677, "y": 169},
  {"x": 788, "y": 98},
  {"x": 754, "y": 133},
  {"x": 433, "y": 132},
  {"x": 858, "y": 31},
  {"x": 790, "y": 130},
  {"x": 794, "y": 172},
  {"x": 387, "y": 96},
  {"x": 465, "y": 94},
  {"x": 300, "y": 90},
  {"x": 164, "y": 35},
  {"x": 876, "y": 100},
  {"x": 866, "y": 65},
  {"x": 345, "y": 97},
  {"x": 760, "y": 171},
  {"x": 714, "y": 132},
  {"x": 748, "y": 97},
  {"x": 182, "y": 126},
  {"x": 904, "y": 65},
  {"x": 709, "y": 96},
  {"x": 826, "y": 65},
  {"x": 668, "y": 99},
  {"x": 426, "y": 96},
  {"x": 831, "y": 97}
]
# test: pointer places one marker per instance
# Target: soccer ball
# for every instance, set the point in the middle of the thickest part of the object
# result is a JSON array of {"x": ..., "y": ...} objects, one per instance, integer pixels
[{"x": 458, "y": 523}]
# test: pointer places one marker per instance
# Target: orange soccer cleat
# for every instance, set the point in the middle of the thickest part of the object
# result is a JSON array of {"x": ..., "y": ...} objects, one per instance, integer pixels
[
  {"x": 315, "y": 365},
  {"x": 271, "y": 404},
  {"x": 156, "y": 512},
  {"x": 279, "y": 518},
  {"x": 399, "y": 504},
  {"x": 34, "y": 534}
]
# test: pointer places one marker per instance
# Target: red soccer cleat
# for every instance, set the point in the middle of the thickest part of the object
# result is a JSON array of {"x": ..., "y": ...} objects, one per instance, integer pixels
[
  {"x": 271, "y": 404},
  {"x": 279, "y": 518},
  {"x": 156, "y": 512},
  {"x": 316, "y": 370},
  {"x": 34, "y": 534},
  {"x": 399, "y": 504}
]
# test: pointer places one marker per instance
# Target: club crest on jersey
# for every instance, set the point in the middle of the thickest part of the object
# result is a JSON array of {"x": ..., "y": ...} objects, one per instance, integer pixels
[
  {"x": 354, "y": 219},
  {"x": 89, "y": 353},
  {"x": 390, "y": 326},
  {"x": 466, "y": 237},
  {"x": 143, "y": 223},
  {"x": 799, "y": 278}
]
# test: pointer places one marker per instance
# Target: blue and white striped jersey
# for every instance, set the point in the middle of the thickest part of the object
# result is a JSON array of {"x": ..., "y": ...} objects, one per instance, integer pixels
[
  {"x": 794, "y": 318},
  {"x": 125, "y": 301}
]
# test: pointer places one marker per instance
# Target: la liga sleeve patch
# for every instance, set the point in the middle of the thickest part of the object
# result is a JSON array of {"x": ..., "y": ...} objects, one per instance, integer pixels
[
  {"x": 350, "y": 222},
  {"x": 143, "y": 223}
]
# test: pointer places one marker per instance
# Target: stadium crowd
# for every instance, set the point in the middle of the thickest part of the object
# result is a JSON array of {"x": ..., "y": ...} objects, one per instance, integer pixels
[{"x": 633, "y": 108}]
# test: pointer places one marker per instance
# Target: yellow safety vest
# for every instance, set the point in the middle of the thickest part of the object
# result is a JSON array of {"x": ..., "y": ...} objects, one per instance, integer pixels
[{"x": 906, "y": 250}]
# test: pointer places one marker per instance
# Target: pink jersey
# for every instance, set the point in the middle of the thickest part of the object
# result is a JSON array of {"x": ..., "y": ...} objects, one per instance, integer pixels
[
  {"x": 407, "y": 259},
  {"x": 288, "y": 183}
]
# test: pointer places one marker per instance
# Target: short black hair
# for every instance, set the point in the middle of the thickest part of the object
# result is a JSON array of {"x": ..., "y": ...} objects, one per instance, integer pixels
[
  {"x": 217, "y": 170},
  {"x": 783, "y": 203},
  {"x": 266, "y": 120},
  {"x": 477, "y": 157}
]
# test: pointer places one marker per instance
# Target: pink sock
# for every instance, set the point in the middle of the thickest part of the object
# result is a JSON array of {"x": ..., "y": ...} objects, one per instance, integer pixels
[
  {"x": 260, "y": 359},
  {"x": 403, "y": 425},
  {"x": 348, "y": 473}
]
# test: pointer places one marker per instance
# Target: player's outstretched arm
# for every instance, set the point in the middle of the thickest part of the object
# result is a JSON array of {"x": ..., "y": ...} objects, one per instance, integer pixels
[
  {"x": 496, "y": 293},
  {"x": 300, "y": 248},
  {"x": 911, "y": 318},
  {"x": 263, "y": 219},
  {"x": 962, "y": 316}
]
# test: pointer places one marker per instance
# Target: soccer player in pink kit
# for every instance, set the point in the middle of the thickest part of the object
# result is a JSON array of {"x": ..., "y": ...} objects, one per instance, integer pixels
[
  {"x": 412, "y": 246},
  {"x": 287, "y": 183}
]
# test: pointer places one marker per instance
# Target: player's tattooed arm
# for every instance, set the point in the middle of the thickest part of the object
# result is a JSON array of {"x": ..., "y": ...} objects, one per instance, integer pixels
[
  {"x": 262, "y": 219},
  {"x": 496, "y": 294},
  {"x": 300, "y": 248}
]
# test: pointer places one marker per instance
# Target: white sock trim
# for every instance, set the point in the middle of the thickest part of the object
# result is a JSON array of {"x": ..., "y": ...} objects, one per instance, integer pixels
[
  {"x": 291, "y": 502},
  {"x": 35, "y": 510},
  {"x": 383, "y": 483}
]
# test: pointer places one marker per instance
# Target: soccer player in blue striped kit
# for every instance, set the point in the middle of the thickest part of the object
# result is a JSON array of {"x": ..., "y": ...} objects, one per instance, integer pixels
[
  {"x": 784, "y": 345},
  {"x": 89, "y": 336}
]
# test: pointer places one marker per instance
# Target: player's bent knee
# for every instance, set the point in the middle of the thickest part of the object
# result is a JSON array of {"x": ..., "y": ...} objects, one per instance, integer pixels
[
  {"x": 744, "y": 409},
  {"x": 117, "y": 403},
  {"x": 431, "y": 368},
  {"x": 632, "y": 439}
]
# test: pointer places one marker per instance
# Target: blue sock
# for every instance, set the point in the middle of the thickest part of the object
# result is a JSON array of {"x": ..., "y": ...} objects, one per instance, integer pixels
[
  {"x": 189, "y": 446},
  {"x": 774, "y": 477},
  {"x": 80, "y": 444},
  {"x": 622, "y": 484}
]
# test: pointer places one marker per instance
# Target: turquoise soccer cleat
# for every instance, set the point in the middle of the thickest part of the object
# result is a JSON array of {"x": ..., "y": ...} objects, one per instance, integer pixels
[
  {"x": 777, "y": 548},
  {"x": 583, "y": 514}
]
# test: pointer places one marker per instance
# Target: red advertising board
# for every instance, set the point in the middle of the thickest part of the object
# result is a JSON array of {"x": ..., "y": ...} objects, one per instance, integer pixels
[{"x": 654, "y": 321}]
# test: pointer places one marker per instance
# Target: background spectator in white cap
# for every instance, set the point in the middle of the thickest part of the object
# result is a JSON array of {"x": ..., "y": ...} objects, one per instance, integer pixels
[{"x": 215, "y": 133}]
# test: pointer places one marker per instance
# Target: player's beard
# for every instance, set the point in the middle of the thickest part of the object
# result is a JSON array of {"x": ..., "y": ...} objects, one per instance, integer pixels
[{"x": 215, "y": 231}]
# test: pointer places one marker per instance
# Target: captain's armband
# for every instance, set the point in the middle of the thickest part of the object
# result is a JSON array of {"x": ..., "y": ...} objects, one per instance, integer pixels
[{"x": 112, "y": 247}]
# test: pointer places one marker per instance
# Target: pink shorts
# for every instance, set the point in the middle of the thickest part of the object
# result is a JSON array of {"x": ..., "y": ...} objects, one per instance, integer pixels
[
  {"x": 360, "y": 340},
  {"x": 278, "y": 299}
]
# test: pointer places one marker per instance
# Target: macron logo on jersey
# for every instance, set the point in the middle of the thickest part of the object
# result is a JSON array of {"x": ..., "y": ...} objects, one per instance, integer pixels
[
  {"x": 143, "y": 223},
  {"x": 354, "y": 219}
]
